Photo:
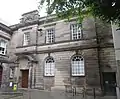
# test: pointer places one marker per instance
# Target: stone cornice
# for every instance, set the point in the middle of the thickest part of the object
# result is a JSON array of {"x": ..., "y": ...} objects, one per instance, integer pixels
[
  {"x": 8, "y": 38},
  {"x": 106, "y": 45},
  {"x": 20, "y": 25},
  {"x": 65, "y": 46},
  {"x": 42, "y": 21},
  {"x": 59, "y": 46},
  {"x": 5, "y": 28},
  {"x": 30, "y": 12},
  {"x": 65, "y": 49},
  {"x": 60, "y": 50},
  {"x": 59, "y": 42}
]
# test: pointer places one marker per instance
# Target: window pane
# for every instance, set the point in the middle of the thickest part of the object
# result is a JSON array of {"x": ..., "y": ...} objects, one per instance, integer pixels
[
  {"x": 26, "y": 38},
  {"x": 76, "y": 31},
  {"x": 50, "y": 36},
  {"x": 2, "y": 47},
  {"x": 78, "y": 66},
  {"x": 49, "y": 67},
  {"x": 2, "y": 44}
]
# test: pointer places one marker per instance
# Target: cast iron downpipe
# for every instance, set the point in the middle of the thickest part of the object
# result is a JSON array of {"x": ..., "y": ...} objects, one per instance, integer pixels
[{"x": 99, "y": 65}]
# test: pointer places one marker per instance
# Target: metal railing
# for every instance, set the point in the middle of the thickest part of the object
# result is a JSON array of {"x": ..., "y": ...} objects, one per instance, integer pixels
[
  {"x": 84, "y": 94},
  {"x": 7, "y": 91}
]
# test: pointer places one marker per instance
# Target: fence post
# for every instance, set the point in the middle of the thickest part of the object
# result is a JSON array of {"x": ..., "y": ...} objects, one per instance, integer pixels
[
  {"x": 94, "y": 94},
  {"x": 73, "y": 91}
]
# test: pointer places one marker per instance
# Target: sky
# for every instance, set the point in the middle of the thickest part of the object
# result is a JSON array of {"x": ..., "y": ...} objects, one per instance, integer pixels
[{"x": 11, "y": 10}]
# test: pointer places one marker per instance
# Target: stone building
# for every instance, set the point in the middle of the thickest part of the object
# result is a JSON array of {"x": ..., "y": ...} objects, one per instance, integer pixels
[
  {"x": 52, "y": 53},
  {"x": 5, "y": 36}
]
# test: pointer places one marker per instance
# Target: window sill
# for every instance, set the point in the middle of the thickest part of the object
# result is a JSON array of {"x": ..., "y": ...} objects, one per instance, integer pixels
[
  {"x": 3, "y": 55},
  {"x": 78, "y": 75},
  {"x": 49, "y": 76},
  {"x": 50, "y": 43}
]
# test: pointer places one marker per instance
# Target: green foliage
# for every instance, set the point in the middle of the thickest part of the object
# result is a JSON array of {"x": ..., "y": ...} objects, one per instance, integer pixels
[{"x": 107, "y": 10}]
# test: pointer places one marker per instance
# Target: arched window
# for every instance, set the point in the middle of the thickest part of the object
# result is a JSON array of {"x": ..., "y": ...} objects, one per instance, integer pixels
[
  {"x": 78, "y": 68},
  {"x": 49, "y": 67}
]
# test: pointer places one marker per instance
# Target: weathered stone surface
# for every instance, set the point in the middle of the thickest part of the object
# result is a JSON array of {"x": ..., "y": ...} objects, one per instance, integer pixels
[
  {"x": 30, "y": 16},
  {"x": 96, "y": 47}
]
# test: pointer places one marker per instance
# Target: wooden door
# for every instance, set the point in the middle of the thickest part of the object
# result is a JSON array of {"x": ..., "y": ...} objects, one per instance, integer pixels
[
  {"x": 25, "y": 74},
  {"x": 1, "y": 69}
]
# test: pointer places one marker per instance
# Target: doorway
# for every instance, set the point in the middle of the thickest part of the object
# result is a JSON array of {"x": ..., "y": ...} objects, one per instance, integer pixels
[
  {"x": 109, "y": 83},
  {"x": 25, "y": 74},
  {"x": 1, "y": 70}
]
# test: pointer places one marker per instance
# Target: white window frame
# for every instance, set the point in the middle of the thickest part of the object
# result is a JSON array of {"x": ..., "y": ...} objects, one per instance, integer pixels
[
  {"x": 49, "y": 68},
  {"x": 3, "y": 46},
  {"x": 50, "y": 35},
  {"x": 26, "y": 39},
  {"x": 78, "y": 67},
  {"x": 76, "y": 31}
]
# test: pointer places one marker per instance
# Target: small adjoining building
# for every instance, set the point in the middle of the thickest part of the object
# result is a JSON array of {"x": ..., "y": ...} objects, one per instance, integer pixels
[{"x": 52, "y": 53}]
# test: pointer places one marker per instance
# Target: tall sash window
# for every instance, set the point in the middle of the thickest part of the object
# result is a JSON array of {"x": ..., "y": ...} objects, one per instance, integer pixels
[
  {"x": 49, "y": 67},
  {"x": 78, "y": 66}
]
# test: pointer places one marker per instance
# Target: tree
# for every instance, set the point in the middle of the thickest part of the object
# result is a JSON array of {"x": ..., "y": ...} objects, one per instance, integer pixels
[{"x": 107, "y": 10}]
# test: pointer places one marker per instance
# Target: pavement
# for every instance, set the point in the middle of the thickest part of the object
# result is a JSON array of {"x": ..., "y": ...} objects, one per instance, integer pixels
[{"x": 41, "y": 94}]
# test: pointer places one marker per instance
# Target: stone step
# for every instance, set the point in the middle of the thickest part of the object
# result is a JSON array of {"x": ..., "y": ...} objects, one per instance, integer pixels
[
  {"x": 108, "y": 97},
  {"x": 59, "y": 79},
  {"x": 59, "y": 83},
  {"x": 58, "y": 88}
]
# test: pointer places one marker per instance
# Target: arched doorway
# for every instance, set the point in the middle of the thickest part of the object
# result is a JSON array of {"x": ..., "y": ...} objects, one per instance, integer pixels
[{"x": 1, "y": 70}]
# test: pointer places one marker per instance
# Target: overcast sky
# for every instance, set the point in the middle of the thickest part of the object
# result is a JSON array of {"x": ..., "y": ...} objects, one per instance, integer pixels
[{"x": 11, "y": 10}]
